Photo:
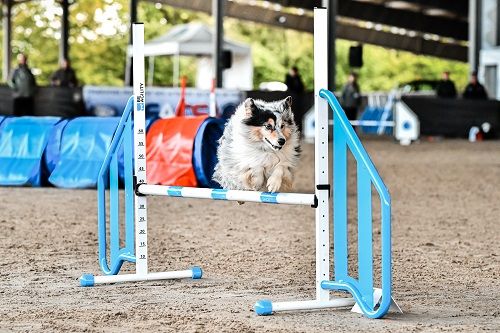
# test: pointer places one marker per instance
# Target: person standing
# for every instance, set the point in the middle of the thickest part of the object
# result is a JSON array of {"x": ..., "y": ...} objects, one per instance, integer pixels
[
  {"x": 295, "y": 86},
  {"x": 446, "y": 87},
  {"x": 23, "y": 84},
  {"x": 474, "y": 90},
  {"x": 351, "y": 97},
  {"x": 65, "y": 76},
  {"x": 293, "y": 81}
]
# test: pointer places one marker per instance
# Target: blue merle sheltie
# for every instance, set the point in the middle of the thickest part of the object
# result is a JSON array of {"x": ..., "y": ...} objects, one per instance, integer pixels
[{"x": 260, "y": 147}]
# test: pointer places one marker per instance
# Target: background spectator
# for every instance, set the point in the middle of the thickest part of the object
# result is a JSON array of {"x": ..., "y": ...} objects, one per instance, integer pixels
[
  {"x": 296, "y": 90},
  {"x": 351, "y": 97},
  {"x": 65, "y": 76},
  {"x": 294, "y": 81},
  {"x": 475, "y": 90},
  {"x": 23, "y": 84},
  {"x": 446, "y": 87}
]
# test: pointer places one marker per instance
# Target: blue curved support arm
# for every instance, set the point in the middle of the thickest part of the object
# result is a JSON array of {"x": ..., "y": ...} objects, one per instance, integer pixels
[
  {"x": 357, "y": 148},
  {"x": 362, "y": 290},
  {"x": 118, "y": 255}
]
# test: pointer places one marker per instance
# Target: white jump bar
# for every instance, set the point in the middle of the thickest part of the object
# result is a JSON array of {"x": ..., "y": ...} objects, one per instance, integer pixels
[
  {"x": 229, "y": 195},
  {"x": 373, "y": 123},
  {"x": 89, "y": 280},
  {"x": 140, "y": 277},
  {"x": 266, "y": 307}
]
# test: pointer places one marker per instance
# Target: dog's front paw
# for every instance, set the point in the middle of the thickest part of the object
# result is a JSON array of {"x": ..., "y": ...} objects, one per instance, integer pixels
[{"x": 274, "y": 184}]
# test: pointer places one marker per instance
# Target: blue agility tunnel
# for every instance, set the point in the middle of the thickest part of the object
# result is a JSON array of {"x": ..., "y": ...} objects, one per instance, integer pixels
[
  {"x": 206, "y": 143},
  {"x": 53, "y": 149},
  {"x": 83, "y": 146},
  {"x": 23, "y": 141}
]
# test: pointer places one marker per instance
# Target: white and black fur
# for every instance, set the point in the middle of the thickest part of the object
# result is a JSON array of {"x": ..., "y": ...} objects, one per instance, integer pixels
[{"x": 260, "y": 147}]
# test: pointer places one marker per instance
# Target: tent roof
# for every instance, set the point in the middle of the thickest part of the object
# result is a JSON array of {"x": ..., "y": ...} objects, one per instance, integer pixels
[{"x": 193, "y": 39}]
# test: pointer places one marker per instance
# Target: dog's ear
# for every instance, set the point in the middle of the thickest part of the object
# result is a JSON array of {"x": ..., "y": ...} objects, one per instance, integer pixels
[
  {"x": 250, "y": 107},
  {"x": 287, "y": 102},
  {"x": 287, "y": 109}
]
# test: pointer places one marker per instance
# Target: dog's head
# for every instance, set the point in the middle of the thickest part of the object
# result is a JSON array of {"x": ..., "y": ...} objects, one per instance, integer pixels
[{"x": 271, "y": 123}]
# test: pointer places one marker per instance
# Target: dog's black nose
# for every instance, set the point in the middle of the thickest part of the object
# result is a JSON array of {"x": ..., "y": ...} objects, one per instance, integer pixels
[{"x": 281, "y": 141}]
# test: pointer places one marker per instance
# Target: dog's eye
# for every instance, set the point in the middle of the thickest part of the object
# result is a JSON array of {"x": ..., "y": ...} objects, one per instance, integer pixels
[
  {"x": 282, "y": 126},
  {"x": 269, "y": 127}
]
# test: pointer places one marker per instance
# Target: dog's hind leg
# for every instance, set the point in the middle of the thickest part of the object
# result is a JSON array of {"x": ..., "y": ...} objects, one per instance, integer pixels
[{"x": 286, "y": 180}]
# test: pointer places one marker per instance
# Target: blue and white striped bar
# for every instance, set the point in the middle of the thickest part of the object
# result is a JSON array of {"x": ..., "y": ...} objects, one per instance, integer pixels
[{"x": 228, "y": 195}]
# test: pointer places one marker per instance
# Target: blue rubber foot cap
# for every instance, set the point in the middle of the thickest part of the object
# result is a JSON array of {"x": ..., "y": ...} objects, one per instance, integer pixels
[
  {"x": 264, "y": 307},
  {"x": 197, "y": 272},
  {"x": 87, "y": 280}
]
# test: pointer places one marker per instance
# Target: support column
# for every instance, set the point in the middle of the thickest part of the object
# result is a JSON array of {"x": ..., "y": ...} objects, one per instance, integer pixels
[
  {"x": 63, "y": 45},
  {"x": 497, "y": 23},
  {"x": 217, "y": 15},
  {"x": 474, "y": 33},
  {"x": 331, "y": 5},
  {"x": 128, "y": 62},
  {"x": 7, "y": 36}
]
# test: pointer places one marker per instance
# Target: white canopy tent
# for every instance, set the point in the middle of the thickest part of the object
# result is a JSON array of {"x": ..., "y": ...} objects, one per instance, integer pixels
[{"x": 195, "y": 39}]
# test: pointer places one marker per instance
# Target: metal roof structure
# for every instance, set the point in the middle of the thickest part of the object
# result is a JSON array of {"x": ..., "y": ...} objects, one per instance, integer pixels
[
  {"x": 437, "y": 28},
  {"x": 430, "y": 27}
]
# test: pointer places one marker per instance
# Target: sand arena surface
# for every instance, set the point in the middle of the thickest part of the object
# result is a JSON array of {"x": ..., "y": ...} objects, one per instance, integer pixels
[{"x": 446, "y": 254}]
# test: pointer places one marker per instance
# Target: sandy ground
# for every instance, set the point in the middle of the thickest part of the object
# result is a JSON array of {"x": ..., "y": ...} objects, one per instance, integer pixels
[{"x": 446, "y": 254}]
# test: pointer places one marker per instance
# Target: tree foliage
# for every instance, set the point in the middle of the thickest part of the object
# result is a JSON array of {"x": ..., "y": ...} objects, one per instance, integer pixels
[{"x": 99, "y": 38}]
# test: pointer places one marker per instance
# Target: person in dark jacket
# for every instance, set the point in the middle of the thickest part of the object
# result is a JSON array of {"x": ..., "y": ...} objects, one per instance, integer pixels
[
  {"x": 23, "y": 84},
  {"x": 475, "y": 90},
  {"x": 351, "y": 97},
  {"x": 296, "y": 88},
  {"x": 446, "y": 87},
  {"x": 65, "y": 76},
  {"x": 293, "y": 81}
]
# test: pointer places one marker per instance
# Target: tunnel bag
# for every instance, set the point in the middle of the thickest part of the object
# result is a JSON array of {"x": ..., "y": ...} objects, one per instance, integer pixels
[
  {"x": 84, "y": 143},
  {"x": 22, "y": 144}
]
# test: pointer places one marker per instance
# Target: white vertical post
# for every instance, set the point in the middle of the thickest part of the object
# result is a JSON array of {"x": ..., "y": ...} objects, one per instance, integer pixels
[
  {"x": 321, "y": 152},
  {"x": 140, "y": 207},
  {"x": 213, "y": 103},
  {"x": 176, "y": 72}
]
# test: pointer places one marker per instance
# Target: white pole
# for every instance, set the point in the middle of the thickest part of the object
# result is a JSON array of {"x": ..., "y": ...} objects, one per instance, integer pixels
[
  {"x": 312, "y": 305},
  {"x": 176, "y": 70},
  {"x": 141, "y": 226},
  {"x": 228, "y": 195},
  {"x": 213, "y": 103},
  {"x": 321, "y": 152},
  {"x": 144, "y": 277}
]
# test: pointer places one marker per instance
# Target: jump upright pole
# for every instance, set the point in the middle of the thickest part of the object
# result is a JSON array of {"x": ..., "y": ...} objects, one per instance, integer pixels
[
  {"x": 321, "y": 180},
  {"x": 139, "y": 203},
  {"x": 134, "y": 246}
]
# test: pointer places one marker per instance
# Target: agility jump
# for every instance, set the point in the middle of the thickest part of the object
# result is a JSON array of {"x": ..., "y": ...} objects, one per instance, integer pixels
[{"x": 135, "y": 241}]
